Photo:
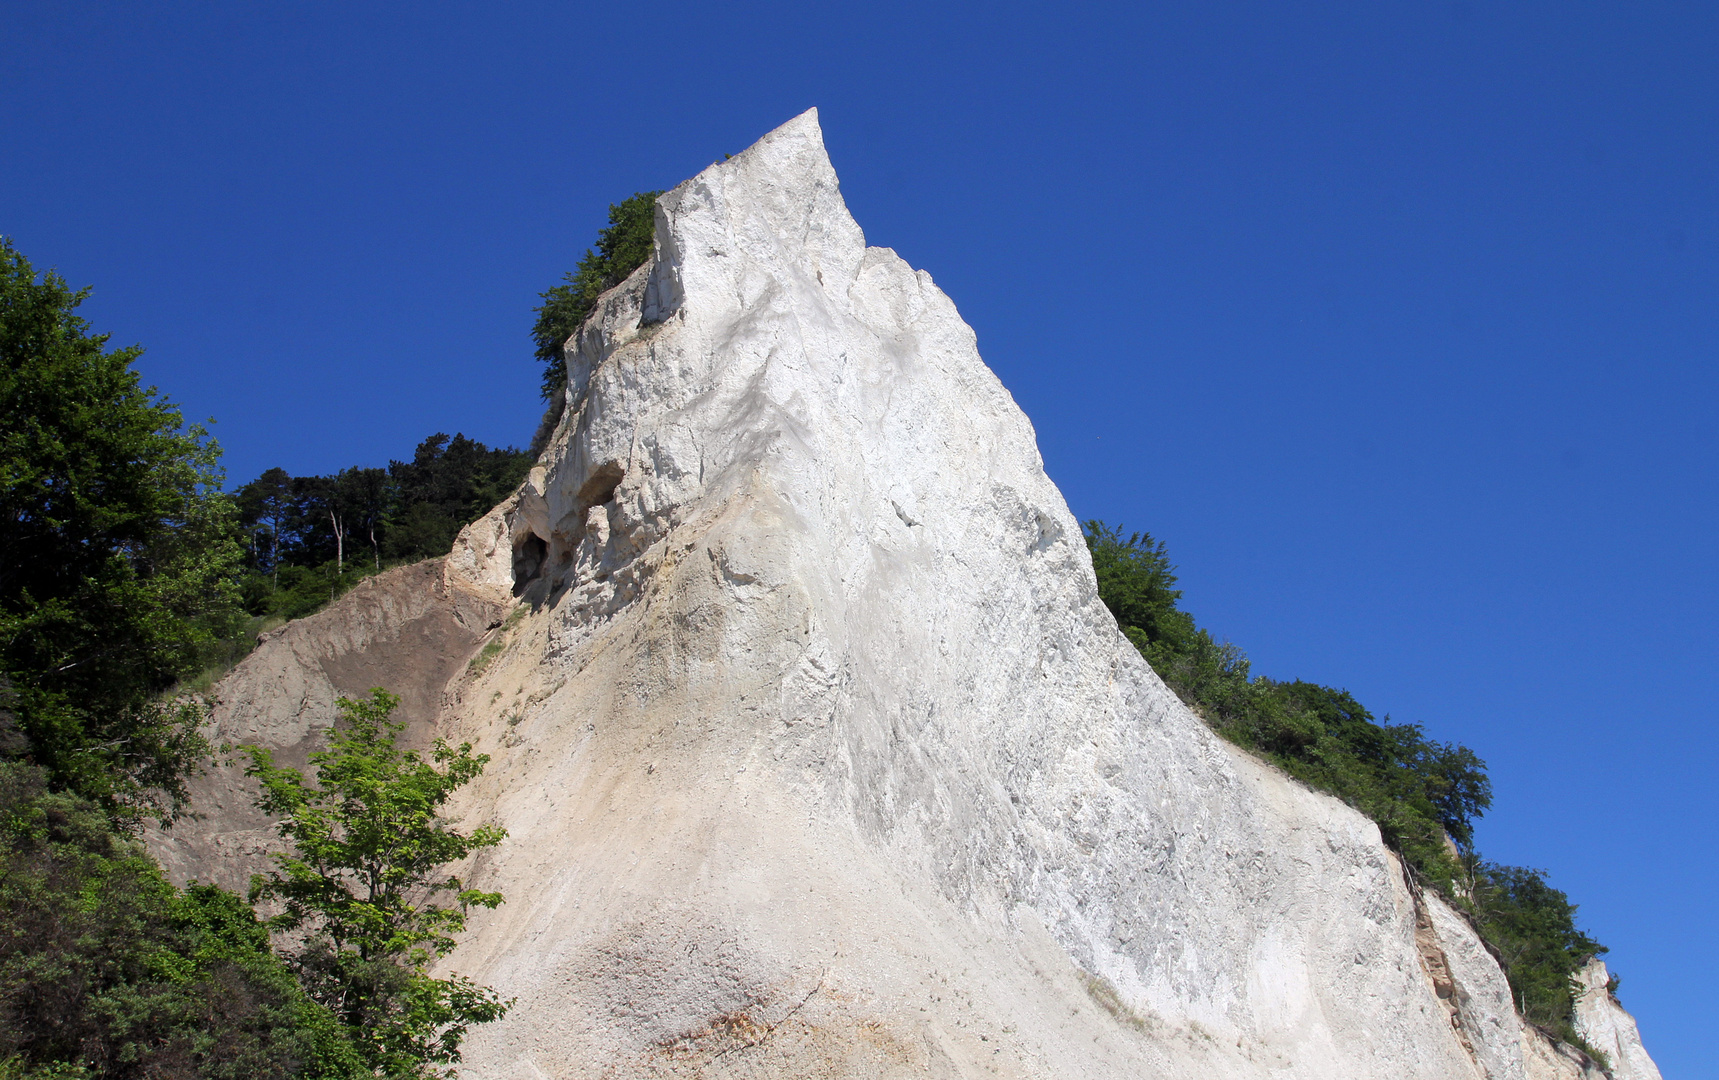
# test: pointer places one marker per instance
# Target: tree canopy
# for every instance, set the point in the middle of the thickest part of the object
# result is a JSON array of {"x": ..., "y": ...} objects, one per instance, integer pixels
[
  {"x": 118, "y": 557},
  {"x": 308, "y": 538},
  {"x": 622, "y": 247}
]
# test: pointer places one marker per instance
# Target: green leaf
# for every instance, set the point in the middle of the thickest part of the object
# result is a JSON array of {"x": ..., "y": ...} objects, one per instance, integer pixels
[{"x": 365, "y": 879}]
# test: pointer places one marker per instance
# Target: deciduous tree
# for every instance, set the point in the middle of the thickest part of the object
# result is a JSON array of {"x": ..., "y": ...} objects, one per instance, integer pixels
[
  {"x": 366, "y": 883},
  {"x": 118, "y": 551}
]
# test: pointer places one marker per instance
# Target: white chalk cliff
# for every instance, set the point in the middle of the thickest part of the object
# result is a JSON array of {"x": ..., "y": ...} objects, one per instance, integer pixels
[{"x": 817, "y": 752}]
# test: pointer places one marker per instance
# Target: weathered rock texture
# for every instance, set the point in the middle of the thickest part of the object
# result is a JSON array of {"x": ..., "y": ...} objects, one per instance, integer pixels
[
  {"x": 1609, "y": 1029},
  {"x": 819, "y": 755}
]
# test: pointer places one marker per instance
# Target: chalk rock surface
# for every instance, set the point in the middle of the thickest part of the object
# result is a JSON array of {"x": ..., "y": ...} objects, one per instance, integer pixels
[
  {"x": 1608, "y": 1028},
  {"x": 817, "y": 752}
]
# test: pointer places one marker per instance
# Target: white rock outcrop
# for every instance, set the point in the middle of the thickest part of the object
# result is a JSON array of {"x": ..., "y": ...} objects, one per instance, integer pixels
[
  {"x": 1608, "y": 1028},
  {"x": 819, "y": 755}
]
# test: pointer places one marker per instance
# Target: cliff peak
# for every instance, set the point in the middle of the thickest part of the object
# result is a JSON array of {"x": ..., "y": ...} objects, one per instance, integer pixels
[{"x": 817, "y": 752}]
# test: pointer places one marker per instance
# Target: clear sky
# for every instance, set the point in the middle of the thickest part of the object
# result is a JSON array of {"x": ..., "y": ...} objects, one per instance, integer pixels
[{"x": 1397, "y": 321}]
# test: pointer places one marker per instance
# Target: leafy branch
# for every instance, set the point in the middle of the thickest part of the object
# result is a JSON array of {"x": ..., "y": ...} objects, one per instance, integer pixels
[{"x": 365, "y": 885}]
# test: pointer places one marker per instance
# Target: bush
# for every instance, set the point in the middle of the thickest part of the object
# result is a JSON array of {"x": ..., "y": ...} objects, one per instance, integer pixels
[
  {"x": 106, "y": 970},
  {"x": 1532, "y": 926},
  {"x": 293, "y": 592},
  {"x": 621, "y": 248},
  {"x": 1417, "y": 790}
]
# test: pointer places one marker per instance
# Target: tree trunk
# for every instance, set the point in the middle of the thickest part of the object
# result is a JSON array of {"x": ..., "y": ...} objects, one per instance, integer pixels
[{"x": 339, "y": 543}]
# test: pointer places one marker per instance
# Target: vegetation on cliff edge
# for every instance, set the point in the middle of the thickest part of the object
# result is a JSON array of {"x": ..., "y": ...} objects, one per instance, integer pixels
[
  {"x": 1418, "y": 790},
  {"x": 125, "y": 569},
  {"x": 621, "y": 248}
]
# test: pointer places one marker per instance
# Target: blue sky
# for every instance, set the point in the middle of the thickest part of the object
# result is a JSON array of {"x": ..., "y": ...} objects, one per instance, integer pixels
[{"x": 1397, "y": 321}]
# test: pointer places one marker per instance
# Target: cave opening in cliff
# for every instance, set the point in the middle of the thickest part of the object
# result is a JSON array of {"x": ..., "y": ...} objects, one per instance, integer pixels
[
  {"x": 600, "y": 488},
  {"x": 528, "y": 557}
]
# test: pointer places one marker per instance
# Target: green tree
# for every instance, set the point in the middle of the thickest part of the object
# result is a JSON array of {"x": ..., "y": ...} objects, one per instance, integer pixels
[
  {"x": 1135, "y": 579},
  {"x": 265, "y": 506},
  {"x": 107, "y": 971},
  {"x": 363, "y": 493},
  {"x": 1533, "y": 928},
  {"x": 302, "y": 530},
  {"x": 118, "y": 552},
  {"x": 364, "y": 883},
  {"x": 621, "y": 248},
  {"x": 447, "y": 484}
]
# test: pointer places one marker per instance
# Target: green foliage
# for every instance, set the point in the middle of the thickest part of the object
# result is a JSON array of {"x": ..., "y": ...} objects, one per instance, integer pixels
[
  {"x": 292, "y": 592},
  {"x": 1532, "y": 927},
  {"x": 621, "y": 248},
  {"x": 309, "y": 539},
  {"x": 489, "y": 652},
  {"x": 117, "y": 553},
  {"x": 106, "y": 970},
  {"x": 119, "y": 574},
  {"x": 1137, "y": 582},
  {"x": 363, "y": 881},
  {"x": 447, "y": 484},
  {"x": 1418, "y": 790}
]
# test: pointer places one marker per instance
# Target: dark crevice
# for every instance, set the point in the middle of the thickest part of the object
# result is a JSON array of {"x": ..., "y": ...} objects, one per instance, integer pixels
[
  {"x": 528, "y": 557},
  {"x": 600, "y": 488}
]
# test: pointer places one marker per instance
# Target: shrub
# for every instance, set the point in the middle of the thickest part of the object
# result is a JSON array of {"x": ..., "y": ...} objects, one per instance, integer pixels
[
  {"x": 1533, "y": 928},
  {"x": 621, "y": 248},
  {"x": 108, "y": 971}
]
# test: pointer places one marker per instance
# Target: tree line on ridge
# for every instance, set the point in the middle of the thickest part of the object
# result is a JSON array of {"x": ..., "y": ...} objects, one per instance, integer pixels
[
  {"x": 308, "y": 538},
  {"x": 1425, "y": 795}
]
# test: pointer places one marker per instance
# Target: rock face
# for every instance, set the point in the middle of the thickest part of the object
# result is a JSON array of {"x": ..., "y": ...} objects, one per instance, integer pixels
[
  {"x": 819, "y": 755},
  {"x": 1610, "y": 1030}
]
